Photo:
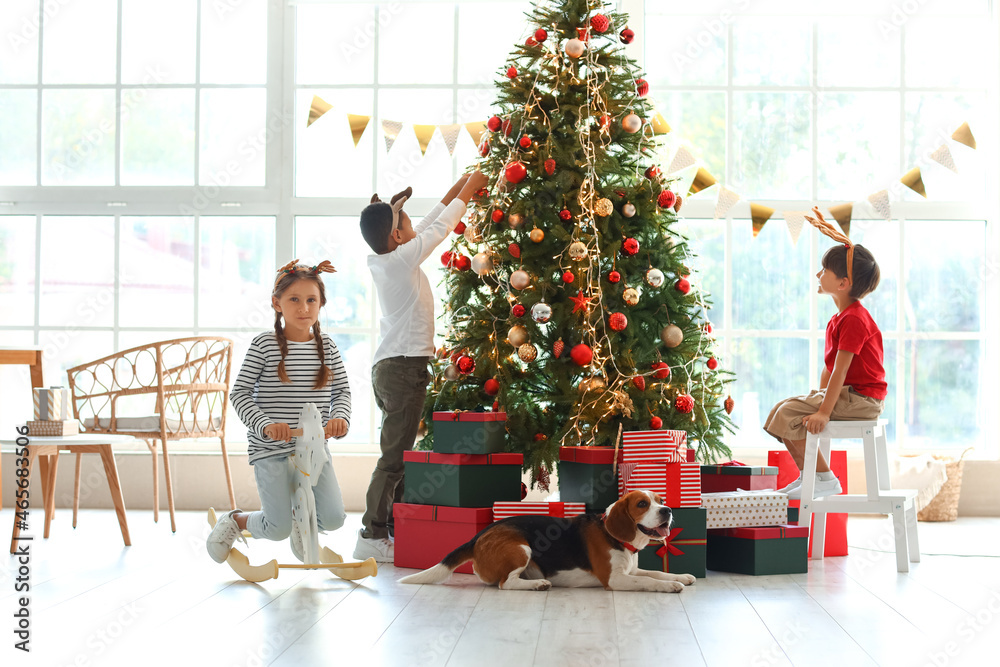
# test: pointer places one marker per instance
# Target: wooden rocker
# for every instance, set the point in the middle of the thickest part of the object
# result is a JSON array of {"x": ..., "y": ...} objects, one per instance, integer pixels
[{"x": 308, "y": 461}]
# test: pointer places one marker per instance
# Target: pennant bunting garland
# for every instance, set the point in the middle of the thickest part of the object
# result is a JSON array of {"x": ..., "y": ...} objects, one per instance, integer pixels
[
  {"x": 659, "y": 124},
  {"x": 318, "y": 107},
  {"x": 391, "y": 129},
  {"x": 702, "y": 180},
  {"x": 963, "y": 135},
  {"x": 358, "y": 126},
  {"x": 880, "y": 201},
  {"x": 913, "y": 181},
  {"x": 450, "y": 135},
  {"x": 760, "y": 214},
  {"x": 424, "y": 135},
  {"x": 943, "y": 157},
  {"x": 476, "y": 131},
  {"x": 725, "y": 202},
  {"x": 842, "y": 214},
  {"x": 682, "y": 159},
  {"x": 795, "y": 220}
]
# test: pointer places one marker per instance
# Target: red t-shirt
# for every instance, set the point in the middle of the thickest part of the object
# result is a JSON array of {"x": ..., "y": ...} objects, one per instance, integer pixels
[{"x": 854, "y": 330}]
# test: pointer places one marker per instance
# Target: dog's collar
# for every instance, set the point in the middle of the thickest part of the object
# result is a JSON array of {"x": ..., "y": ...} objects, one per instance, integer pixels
[{"x": 626, "y": 545}]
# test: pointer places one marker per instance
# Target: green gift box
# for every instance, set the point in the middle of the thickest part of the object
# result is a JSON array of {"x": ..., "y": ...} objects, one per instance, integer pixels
[
  {"x": 460, "y": 432},
  {"x": 685, "y": 549},
  {"x": 587, "y": 475},
  {"x": 461, "y": 480},
  {"x": 759, "y": 550}
]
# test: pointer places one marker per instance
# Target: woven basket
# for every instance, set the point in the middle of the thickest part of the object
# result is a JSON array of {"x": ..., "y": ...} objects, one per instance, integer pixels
[{"x": 944, "y": 506}]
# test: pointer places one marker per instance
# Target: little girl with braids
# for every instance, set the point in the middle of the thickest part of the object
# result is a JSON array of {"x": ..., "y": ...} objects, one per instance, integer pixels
[{"x": 283, "y": 370}]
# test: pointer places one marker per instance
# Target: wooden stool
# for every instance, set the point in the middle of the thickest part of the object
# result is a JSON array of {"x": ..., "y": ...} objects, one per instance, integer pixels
[{"x": 879, "y": 499}]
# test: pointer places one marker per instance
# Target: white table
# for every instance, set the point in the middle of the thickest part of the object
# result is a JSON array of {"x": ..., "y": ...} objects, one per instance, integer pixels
[{"x": 46, "y": 450}]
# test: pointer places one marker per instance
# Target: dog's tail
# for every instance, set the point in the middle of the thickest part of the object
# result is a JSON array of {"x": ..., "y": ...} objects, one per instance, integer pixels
[{"x": 443, "y": 570}]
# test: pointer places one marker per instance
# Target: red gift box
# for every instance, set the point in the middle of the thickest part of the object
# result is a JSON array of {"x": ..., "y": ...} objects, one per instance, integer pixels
[
  {"x": 463, "y": 416},
  {"x": 504, "y": 509},
  {"x": 661, "y": 446},
  {"x": 736, "y": 477},
  {"x": 427, "y": 533},
  {"x": 835, "y": 543},
  {"x": 678, "y": 484},
  {"x": 463, "y": 459}
]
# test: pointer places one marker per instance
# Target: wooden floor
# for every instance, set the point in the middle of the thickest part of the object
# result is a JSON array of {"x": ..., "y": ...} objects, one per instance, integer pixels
[{"x": 163, "y": 601}]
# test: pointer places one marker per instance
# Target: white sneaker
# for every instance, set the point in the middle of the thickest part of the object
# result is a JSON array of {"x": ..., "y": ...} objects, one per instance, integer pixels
[
  {"x": 381, "y": 549},
  {"x": 823, "y": 488},
  {"x": 224, "y": 534},
  {"x": 796, "y": 483}
]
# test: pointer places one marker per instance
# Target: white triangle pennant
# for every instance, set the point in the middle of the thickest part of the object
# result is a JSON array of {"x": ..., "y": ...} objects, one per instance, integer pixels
[
  {"x": 795, "y": 221},
  {"x": 450, "y": 135},
  {"x": 725, "y": 202},
  {"x": 682, "y": 159},
  {"x": 943, "y": 157},
  {"x": 880, "y": 201},
  {"x": 391, "y": 128}
]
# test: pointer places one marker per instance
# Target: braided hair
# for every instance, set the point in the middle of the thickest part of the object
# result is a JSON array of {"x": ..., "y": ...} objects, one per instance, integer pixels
[{"x": 287, "y": 276}]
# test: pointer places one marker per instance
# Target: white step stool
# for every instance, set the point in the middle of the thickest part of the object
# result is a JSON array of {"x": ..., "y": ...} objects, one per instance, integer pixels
[{"x": 880, "y": 499}]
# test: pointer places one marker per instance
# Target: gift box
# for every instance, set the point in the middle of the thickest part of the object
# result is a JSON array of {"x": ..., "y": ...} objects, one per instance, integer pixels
[
  {"x": 734, "y": 509},
  {"x": 562, "y": 510},
  {"x": 426, "y": 533},
  {"x": 719, "y": 478},
  {"x": 685, "y": 548},
  {"x": 460, "y": 432},
  {"x": 660, "y": 446},
  {"x": 587, "y": 475},
  {"x": 835, "y": 541},
  {"x": 678, "y": 484},
  {"x": 50, "y": 429},
  {"x": 51, "y": 404},
  {"x": 759, "y": 550},
  {"x": 461, "y": 480}
]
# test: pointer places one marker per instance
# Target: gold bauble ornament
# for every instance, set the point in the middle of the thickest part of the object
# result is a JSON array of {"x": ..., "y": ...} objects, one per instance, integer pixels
[
  {"x": 482, "y": 263},
  {"x": 628, "y": 210},
  {"x": 517, "y": 336},
  {"x": 604, "y": 207},
  {"x": 575, "y": 48},
  {"x": 672, "y": 336},
  {"x": 527, "y": 352},
  {"x": 451, "y": 373},
  {"x": 520, "y": 279},
  {"x": 630, "y": 296},
  {"x": 577, "y": 250},
  {"x": 515, "y": 220},
  {"x": 536, "y": 235},
  {"x": 591, "y": 384},
  {"x": 472, "y": 233},
  {"x": 631, "y": 123}
]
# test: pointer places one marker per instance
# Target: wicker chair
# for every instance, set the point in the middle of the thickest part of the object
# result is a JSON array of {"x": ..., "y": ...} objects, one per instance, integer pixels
[{"x": 162, "y": 391}]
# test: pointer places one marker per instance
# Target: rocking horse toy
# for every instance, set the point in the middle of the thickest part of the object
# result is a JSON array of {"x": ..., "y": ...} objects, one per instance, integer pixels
[{"x": 307, "y": 462}]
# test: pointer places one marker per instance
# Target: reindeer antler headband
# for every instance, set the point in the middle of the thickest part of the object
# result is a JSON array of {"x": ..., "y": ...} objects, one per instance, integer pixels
[
  {"x": 294, "y": 267},
  {"x": 396, "y": 203},
  {"x": 827, "y": 228}
]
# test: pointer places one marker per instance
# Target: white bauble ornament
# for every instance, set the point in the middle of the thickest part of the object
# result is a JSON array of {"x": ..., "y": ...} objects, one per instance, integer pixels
[
  {"x": 520, "y": 279},
  {"x": 654, "y": 277},
  {"x": 482, "y": 263},
  {"x": 604, "y": 207},
  {"x": 631, "y": 123},
  {"x": 541, "y": 312},
  {"x": 451, "y": 372},
  {"x": 628, "y": 210},
  {"x": 527, "y": 352},
  {"x": 672, "y": 336},
  {"x": 515, "y": 220},
  {"x": 517, "y": 336},
  {"x": 577, "y": 250},
  {"x": 630, "y": 296},
  {"x": 575, "y": 48}
]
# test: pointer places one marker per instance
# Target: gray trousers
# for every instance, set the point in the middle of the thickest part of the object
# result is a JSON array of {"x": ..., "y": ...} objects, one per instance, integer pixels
[
  {"x": 400, "y": 386},
  {"x": 274, "y": 486}
]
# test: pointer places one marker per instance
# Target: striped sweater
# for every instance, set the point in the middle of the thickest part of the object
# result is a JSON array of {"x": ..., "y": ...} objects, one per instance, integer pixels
[{"x": 261, "y": 399}]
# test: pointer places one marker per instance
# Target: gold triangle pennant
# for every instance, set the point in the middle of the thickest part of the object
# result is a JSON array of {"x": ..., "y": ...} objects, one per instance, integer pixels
[
  {"x": 318, "y": 107},
  {"x": 702, "y": 180},
  {"x": 963, "y": 135},
  {"x": 358, "y": 126},
  {"x": 912, "y": 180},
  {"x": 759, "y": 214},
  {"x": 390, "y": 130},
  {"x": 424, "y": 135},
  {"x": 660, "y": 124},
  {"x": 450, "y": 135},
  {"x": 476, "y": 131},
  {"x": 842, "y": 214}
]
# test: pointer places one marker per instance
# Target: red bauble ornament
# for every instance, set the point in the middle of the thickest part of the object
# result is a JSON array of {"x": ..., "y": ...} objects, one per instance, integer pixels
[
  {"x": 550, "y": 166},
  {"x": 712, "y": 363},
  {"x": 604, "y": 122},
  {"x": 568, "y": 277},
  {"x": 447, "y": 257},
  {"x": 684, "y": 403},
  {"x": 541, "y": 35},
  {"x": 600, "y": 22},
  {"x": 492, "y": 387},
  {"x": 614, "y": 277},
  {"x": 518, "y": 310},
  {"x": 525, "y": 141},
  {"x": 511, "y": 72},
  {"x": 666, "y": 199},
  {"x": 557, "y": 348},
  {"x": 460, "y": 228},
  {"x": 565, "y": 215},
  {"x": 708, "y": 327},
  {"x": 652, "y": 172},
  {"x": 484, "y": 148},
  {"x": 515, "y": 172},
  {"x": 583, "y": 34},
  {"x": 662, "y": 370},
  {"x": 729, "y": 404},
  {"x": 531, "y": 41},
  {"x": 617, "y": 321},
  {"x": 655, "y": 423},
  {"x": 639, "y": 382},
  {"x": 505, "y": 126},
  {"x": 630, "y": 246},
  {"x": 539, "y": 437},
  {"x": 514, "y": 250},
  {"x": 494, "y": 123},
  {"x": 524, "y": 490},
  {"x": 641, "y": 87},
  {"x": 466, "y": 364},
  {"x": 462, "y": 263},
  {"x": 626, "y": 36},
  {"x": 455, "y": 354},
  {"x": 581, "y": 354},
  {"x": 683, "y": 286},
  {"x": 497, "y": 215}
]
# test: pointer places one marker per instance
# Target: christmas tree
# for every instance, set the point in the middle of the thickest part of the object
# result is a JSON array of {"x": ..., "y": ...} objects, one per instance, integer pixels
[{"x": 570, "y": 305}]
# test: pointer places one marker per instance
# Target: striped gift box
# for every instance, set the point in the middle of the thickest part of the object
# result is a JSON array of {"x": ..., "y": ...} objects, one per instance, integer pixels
[
  {"x": 660, "y": 446},
  {"x": 745, "y": 508},
  {"x": 678, "y": 484},
  {"x": 505, "y": 509},
  {"x": 51, "y": 403}
]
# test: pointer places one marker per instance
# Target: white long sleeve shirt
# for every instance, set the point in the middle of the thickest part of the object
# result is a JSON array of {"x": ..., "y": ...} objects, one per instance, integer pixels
[{"x": 407, "y": 324}]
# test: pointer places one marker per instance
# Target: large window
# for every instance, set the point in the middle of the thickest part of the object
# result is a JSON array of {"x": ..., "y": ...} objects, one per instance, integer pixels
[{"x": 156, "y": 167}]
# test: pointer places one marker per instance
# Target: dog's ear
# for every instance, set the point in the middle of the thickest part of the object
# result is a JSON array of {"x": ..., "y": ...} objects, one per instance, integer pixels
[
  {"x": 619, "y": 522},
  {"x": 408, "y": 192},
  {"x": 375, "y": 199}
]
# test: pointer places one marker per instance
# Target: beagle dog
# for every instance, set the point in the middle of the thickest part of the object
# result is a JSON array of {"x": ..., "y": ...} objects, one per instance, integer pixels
[{"x": 538, "y": 552}]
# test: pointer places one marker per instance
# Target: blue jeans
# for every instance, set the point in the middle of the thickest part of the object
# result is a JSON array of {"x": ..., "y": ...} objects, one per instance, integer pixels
[{"x": 274, "y": 478}]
